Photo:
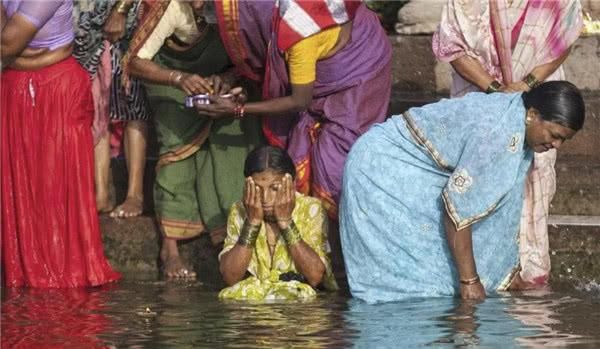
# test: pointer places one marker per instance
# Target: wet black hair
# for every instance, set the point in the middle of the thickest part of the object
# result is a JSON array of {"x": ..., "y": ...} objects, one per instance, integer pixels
[
  {"x": 559, "y": 102},
  {"x": 268, "y": 157}
]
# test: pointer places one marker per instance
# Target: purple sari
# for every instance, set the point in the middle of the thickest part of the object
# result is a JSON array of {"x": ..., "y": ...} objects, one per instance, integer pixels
[{"x": 351, "y": 92}]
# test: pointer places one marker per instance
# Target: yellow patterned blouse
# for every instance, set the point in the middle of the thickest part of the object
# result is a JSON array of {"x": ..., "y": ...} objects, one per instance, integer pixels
[{"x": 264, "y": 284}]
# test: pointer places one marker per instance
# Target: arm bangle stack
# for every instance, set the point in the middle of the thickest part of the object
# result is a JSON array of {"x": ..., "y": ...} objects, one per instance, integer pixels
[
  {"x": 249, "y": 234},
  {"x": 291, "y": 234}
]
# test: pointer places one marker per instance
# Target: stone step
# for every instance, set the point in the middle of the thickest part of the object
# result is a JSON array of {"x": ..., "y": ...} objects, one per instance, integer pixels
[
  {"x": 575, "y": 249},
  {"x": 577, "y": 186},
  {"x": 133, "y": 245}
]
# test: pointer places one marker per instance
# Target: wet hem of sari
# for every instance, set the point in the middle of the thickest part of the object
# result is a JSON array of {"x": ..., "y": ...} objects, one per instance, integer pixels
[
  {"x": 185, "y": 150},
  {"x": 458, "y": 223}
]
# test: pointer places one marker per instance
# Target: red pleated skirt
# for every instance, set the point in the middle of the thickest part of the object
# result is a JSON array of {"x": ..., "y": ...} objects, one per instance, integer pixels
[{"x": 50, "y": 230}]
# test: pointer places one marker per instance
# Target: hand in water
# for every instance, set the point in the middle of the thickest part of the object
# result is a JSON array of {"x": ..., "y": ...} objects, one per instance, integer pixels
[{"x": 474, "y": 291}]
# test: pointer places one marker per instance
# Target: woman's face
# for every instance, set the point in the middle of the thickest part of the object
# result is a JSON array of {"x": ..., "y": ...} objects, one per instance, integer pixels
[
  {"x": 544, "y": 135},
  {"x": 270, "y": 183}
]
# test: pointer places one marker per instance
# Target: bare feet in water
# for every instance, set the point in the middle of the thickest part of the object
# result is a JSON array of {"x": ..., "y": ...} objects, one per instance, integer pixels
[{"x": 131, "y": 207}]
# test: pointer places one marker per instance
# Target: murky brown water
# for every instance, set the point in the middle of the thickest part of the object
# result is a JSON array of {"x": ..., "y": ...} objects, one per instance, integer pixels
[{"x": 186, "y": 315}]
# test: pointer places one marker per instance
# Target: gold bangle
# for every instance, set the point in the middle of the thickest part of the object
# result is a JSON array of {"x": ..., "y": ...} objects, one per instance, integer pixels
[
  {"x": 470, "y": 281},
  {"x": 531, "y": 81},
  {"x": 124, "y": 6}
]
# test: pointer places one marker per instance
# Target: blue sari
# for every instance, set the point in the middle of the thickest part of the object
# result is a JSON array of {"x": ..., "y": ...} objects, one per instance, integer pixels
[{"x": 466, "y": 156}]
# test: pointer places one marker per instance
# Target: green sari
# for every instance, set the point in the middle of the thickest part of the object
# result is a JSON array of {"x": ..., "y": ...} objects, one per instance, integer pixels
[{"x": 200, "y": 168}]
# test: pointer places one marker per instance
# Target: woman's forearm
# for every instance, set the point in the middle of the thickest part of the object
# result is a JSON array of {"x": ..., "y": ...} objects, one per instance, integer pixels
[
  {"x": 149, "y": 71},
  {"x": 298, "y": 101},
  {"x": 542, "y": 72},
  {"x": 471, "y": 70},
  {"x": 308, "y": 262},
  {"x": 234, "y": 264},
  {"x": 461, "y": 246}
]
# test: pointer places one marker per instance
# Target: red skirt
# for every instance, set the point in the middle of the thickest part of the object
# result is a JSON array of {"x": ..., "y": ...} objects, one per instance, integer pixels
[{"x": 50, "y": 230}]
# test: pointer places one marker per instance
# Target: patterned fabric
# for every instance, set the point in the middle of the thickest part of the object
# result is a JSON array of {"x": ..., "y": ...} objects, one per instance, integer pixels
[
  {"x": 523, "y": 35},
  {"x": 464, "y": 156},
  {"x": 311, "y": 219},
  {"x": 89, "y": 18},
  {"x": 299, "y": 19}
]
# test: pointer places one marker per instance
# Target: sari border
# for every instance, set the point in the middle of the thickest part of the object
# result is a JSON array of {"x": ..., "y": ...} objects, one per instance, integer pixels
[
  {"x": 453, "y": 213},
  {"x": 149, "y": 16},
  {"x": 185, "y": 150},
  {"x": 508, "y": 279},
  {"x": 229, "y": 29},
  {"x": 421, "y": 139},
  {"x": 180, "y": 229}
]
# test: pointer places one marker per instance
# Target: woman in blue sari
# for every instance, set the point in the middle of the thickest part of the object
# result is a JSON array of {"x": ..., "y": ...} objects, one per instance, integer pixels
[{"x": 431, "y": 199}]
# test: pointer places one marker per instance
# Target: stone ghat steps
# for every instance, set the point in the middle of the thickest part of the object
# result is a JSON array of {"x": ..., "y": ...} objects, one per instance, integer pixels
[{"x": 132, "y": 246}]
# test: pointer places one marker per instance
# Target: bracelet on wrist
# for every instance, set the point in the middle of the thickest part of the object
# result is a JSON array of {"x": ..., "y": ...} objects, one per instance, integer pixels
[
  {"x": 531, "y": 81},
  {"x": 238, "y": 111},
  {"x": 471, "y": 281},
  {"x": 291, "y": 234},
  {"x": 249, "y": 234},
  {"x": 494, "y": 86}
]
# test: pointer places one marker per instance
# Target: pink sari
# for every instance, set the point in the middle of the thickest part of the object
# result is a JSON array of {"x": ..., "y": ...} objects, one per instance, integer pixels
[{"x": 510, "y": 41}]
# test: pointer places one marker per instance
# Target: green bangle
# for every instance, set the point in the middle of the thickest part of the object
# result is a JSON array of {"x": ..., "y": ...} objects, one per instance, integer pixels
[
  {"x": 291, "y": 234},
  {"x": 495, "y": 86},
  {"x": 249, "y": 234}
]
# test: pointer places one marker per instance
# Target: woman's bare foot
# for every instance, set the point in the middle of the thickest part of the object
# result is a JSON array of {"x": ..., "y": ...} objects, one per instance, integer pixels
[
  {"x": 103, "y": 204},
  {"x": 131, "y": 207},
  {"x": 173, "y": 266},
  {"x": 518, "y": 284}
]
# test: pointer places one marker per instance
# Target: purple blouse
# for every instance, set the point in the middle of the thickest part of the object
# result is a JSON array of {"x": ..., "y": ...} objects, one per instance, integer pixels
[{"x": 53, "y": 18}]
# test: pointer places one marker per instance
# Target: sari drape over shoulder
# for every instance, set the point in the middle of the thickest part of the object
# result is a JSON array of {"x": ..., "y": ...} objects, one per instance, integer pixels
[
  {"x": 463, "y": 156},
  {"x": 509, "y": 41},
  {"x": 351, "y": 91}
]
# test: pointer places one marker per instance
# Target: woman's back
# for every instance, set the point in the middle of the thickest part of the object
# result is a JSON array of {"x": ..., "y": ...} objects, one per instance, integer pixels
[{"x": 52, "y": 18}]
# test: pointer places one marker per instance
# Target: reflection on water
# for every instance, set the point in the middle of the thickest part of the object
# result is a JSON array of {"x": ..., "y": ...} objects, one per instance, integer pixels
[{"x": 189, "y": 315}]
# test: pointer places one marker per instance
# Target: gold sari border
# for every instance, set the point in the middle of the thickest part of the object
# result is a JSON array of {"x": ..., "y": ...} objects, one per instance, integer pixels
[
  {"x": 185, "y": 150},
  {"x": 453, "y": 213},
  {"x": 421, "y": 139}
]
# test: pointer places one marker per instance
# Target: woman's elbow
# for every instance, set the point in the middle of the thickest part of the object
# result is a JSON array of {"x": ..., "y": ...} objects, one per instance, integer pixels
[{"x": 316, "y": 277}]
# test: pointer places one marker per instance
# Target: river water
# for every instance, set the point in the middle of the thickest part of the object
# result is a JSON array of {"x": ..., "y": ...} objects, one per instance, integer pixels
[{"x": 159, "y": 314}]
